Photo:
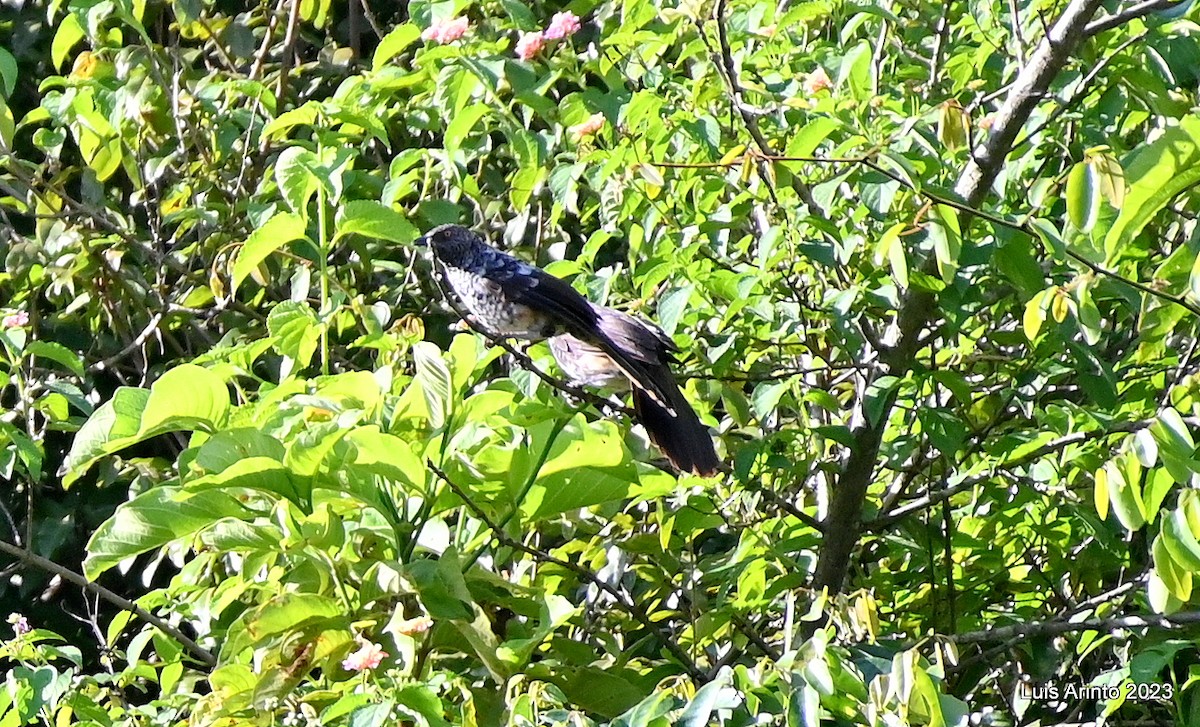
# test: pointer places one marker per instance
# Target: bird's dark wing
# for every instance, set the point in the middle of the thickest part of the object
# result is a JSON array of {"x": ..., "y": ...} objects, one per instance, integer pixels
[
  {"x": 635, "y": 349},
  {"x": 529, "y": 286},
  {"x": 648, "y": 342}
]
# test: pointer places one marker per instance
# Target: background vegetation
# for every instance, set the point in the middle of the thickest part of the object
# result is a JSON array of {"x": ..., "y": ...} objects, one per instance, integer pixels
[{"x": 933, "y": 266}]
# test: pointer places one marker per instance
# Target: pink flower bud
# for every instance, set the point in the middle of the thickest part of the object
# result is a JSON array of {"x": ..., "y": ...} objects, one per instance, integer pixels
[
  {"x": 16, "y": 320},
  {"x": 562, "y": 25},
  {"x": 368, "y": 656},
  {"x": 446, "y": 31},
  {"x": 818, "y": 80},
  {"x": 529, "y": 44},
  {"x": 590, "y": 126}
]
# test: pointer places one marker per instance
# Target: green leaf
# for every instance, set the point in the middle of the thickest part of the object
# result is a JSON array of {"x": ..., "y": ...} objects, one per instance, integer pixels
[
  {"x": 254, "y": 473},
  {"x": 295, "y": 333},
  {"x": 421, "y": 701},
  {"x": 68, "y": 34},
  {"x": 227, "y": 448},
  {"x": 717, "y": 694},
  {"x": 1157, "y": 173},
  {"x": 947, "y": 239},
  {"x": 296, "y": 175},
  {"x": 186, "y": 397},
  {"x": 1194, "y": 279},
  {"x": 891, "y": 248},
  {"x": 372, "y": 219},
  {"x": 1035, "y": 314},
  {"x": 28, "y": 450},
  {"x": 607, "y": 692},
  {"x": 461, "y": 124},
  {"x": 587, "y": 465},
  {"x": 1181, "y": 532},
  {"x": 283, "y": 615},
  {"x": 153, "y": 519},
  {"x": 1124, "y": 498},
  {"x": 441, "y": 587},
  {"x": 374, "y": 715},
  {"x": 854, "y": 74},
  {"x": 1083, "y": 196},
  {"x": 7, "y": 126},
  {"x": 386, "y": 455},
  {"x": 1175, "y": 576},
  {"x": 58, "y": 353},
  {"x": 8, "y": 73},
  {"x": 305, "y": 115},
  {"x": 277, "y": 232},
  {"x": 394, "y": 43},
  {"x": 113, "y": 426},
  {"x": 434, "y": 377},
  {"x": 649, "y": 711},
  {"x": 804, "y": 142},
  {"x": 529, "y": 167}
]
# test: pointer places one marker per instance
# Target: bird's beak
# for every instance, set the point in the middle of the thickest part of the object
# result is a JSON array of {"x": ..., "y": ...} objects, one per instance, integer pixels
[{"x": 422, "y": 241}]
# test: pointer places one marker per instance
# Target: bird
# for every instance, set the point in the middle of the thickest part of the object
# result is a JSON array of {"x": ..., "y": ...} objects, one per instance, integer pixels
[
  {"x": 511, "y": 298},
  {"x": 594, "y": 345},
  {"x": 675, "y": 429}
]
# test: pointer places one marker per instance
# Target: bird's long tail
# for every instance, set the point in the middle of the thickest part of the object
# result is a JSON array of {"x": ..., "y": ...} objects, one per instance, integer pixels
[
  {"x": 643, "y": 353},
  {"x": 681, "y": 437},
  {"x": 640, "y": 353}
]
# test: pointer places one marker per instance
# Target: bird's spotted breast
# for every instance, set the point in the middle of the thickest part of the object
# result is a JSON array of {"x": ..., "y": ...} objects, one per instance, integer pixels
[{"x": 486, "y": 301}]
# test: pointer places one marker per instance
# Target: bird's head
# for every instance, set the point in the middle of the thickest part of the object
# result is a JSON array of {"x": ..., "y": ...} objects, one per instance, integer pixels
[{"x": 451, "y": 243}]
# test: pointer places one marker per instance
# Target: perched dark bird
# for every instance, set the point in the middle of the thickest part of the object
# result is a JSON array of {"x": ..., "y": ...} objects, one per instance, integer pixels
[
  {"x": 675, "y": 428},
  {"x": 512, "y": 298},
  {"x": 595, "y": 346}
]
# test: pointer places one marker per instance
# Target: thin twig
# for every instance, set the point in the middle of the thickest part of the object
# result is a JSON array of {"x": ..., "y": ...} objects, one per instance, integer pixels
[
  {"x": 37, "y": 561},
  {"x": 631, "y": 606},
  {"x": 260, "y": 57},
  {"x": 1057, "y": 626},
  {"x": 289, "y": 49},
  {"x": 939, "y": 45},
  {"x": 107, "y": 363},
  {"x": 1140, "y": 10}
]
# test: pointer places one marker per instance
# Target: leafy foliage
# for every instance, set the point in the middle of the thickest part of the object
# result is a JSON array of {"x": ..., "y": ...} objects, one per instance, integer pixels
[{"x": 935, "y": 280}]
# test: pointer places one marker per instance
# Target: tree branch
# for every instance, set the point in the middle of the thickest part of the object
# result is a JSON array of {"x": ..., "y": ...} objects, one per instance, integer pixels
[
  {"x": 1058, "y": 626},
  {"x": 844, "y": 521},
  {"x": 631, "y": 606},
  {"x": 1140, "y": 10},
  {"x": 37, "y": 561}
]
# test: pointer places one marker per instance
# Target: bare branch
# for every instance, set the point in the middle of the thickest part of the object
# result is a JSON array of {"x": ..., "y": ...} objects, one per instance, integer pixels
[
  {"x": 1062, "y": 626},
  {"x": 1133, "y": 12},
  {"x": 844, "y": 522},
  {"x": 37, "y": 561},
  {"x": 627, "y": 603}
]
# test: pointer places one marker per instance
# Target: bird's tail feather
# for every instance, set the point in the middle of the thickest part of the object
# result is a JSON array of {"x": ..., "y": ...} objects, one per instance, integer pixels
[
  {"x": 639, "y": 352},
  {"x": 681, "y": 437}
]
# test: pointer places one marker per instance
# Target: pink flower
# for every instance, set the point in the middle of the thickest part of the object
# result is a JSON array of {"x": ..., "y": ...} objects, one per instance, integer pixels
[
  {"x": 414, "y": 626},
  {"x": 368, "y": 656},
  {"x": 818, "y": 80},
  {"x": 562, "y": 25},
  {"x": 446, "y": 31},
  {"x": 590, "y": 126},
  {"x": 16, "y": 320},
  {"x": 529, "y": 44},
  {"x": 19, "y": 623}
]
